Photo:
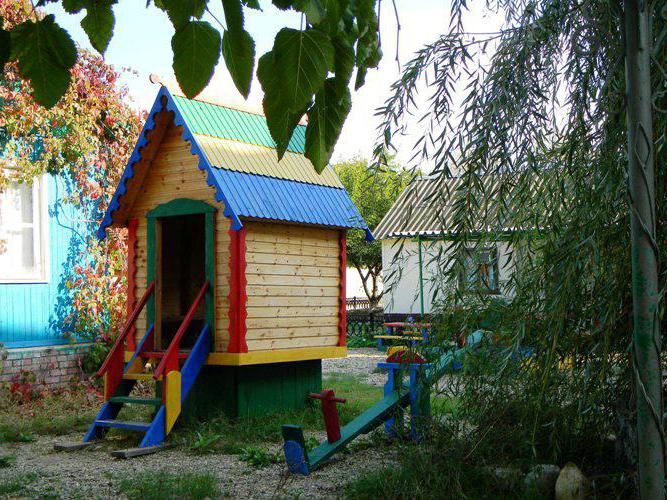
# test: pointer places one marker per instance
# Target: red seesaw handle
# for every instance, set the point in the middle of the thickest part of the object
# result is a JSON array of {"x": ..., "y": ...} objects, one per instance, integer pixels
[{"x": 324, "y": 396}]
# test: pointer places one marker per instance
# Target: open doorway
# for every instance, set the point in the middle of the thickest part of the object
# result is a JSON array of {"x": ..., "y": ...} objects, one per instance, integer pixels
[{"x": 182, "y": 271}]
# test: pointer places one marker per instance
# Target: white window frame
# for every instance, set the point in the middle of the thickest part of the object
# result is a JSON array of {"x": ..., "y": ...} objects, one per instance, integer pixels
[{"x": 41, "y": 248}]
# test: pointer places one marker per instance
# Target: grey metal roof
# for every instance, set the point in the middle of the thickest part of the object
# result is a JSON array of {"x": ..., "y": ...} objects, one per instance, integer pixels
[{"x": 426, "y": 207}]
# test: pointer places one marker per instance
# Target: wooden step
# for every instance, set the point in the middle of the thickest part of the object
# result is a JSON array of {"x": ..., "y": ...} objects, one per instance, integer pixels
[
  {"x": 136, "y": 452},
  {"x": 160, "y": 354},
  {"x": 124, "y": 424},
  {"x": 140, "y": 376},
  {"x": 79, "y": 445},
  {"x": 136, "y": 401}
]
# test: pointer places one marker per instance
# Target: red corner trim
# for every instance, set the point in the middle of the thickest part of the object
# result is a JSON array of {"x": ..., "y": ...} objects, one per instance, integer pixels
[
  {"x": 131, "y": 277},
  {"x": 342, "y": 311},
  {"x": 238, "y": 296}
]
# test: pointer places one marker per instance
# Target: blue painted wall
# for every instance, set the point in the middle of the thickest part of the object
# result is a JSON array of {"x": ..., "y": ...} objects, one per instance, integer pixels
[{"x": 34, "y": 314}]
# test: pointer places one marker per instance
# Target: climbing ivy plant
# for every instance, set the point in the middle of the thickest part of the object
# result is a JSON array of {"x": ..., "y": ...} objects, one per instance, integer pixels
[{"x": 308, "y": 70}]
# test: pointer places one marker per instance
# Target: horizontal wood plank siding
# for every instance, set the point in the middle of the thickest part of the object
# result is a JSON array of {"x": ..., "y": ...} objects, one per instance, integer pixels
[
  {"x": 174, "y": 173},
  {"x": 293, "y": 284}
]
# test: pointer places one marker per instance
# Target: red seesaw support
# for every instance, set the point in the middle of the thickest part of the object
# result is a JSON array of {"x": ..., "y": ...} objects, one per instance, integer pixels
[{"x": 330, "y": 412}]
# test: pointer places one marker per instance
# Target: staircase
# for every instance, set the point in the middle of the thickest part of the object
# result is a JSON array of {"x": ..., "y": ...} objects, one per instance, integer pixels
[{"x": 174, "y": 375}]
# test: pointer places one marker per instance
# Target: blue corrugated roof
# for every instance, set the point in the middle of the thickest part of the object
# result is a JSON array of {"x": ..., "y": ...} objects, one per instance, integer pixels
[
  {"x": 284, "y": 200},
  {"x": 249, "y": 195}
]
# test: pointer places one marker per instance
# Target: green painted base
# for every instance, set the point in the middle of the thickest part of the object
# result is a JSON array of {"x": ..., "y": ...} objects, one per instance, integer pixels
[{"x": 245, "y": 391}]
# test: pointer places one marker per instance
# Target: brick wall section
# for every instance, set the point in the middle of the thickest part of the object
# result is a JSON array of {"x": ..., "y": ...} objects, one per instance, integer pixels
[{"x": 53, "y": 366}]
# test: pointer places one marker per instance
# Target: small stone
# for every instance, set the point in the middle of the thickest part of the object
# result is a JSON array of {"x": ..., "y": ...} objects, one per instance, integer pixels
[
  {"x": 571, "y": 483},
  {"x": 506, "y": 477},
  {"x": 541, "y": 480}
]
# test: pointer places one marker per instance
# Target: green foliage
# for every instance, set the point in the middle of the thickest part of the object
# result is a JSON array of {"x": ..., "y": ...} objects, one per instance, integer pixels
[
  {"x": 238, "y": 47},
  {"x": 45, "y": 54},
  {"x": 196, "y": 47},
  {"x": 12, "y": 435},
  {"x": 238, "y": 50},
  {"x": 223, "y": 435},
  {"x": 5, "y": 46},
  {"x": 421, "y": 473},
  {"x": 98, "y": 22},
  {"x": 7, "y": 461},
  {"x": 338, "y": 36},
  {"x": 95, "y": 356},
  {"x": 156, "y": 485},
  {"x": 17, "y": 483},
  {"x": 539, "y": 147},
  {"x": 260, "y": 457},
  {"x": 326, "y": 121},
  {"x": 56, "y": 413},
  {"x": 373, "y": 192}
]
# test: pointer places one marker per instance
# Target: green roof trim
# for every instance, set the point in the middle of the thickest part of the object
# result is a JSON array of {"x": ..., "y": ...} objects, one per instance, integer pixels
[{"x": 228, "y": 123}]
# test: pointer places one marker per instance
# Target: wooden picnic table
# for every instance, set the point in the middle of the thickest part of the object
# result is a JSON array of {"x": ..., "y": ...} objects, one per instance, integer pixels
[
  {"x": 403, "y": 324},
  {"x": 410, "y": 336}
]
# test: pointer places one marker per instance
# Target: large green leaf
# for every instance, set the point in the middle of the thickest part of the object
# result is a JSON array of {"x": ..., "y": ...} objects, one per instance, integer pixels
[
  {"x": 302, "y": 60},
  {"x": 325, "y": 122},
  {"x": 99, "y": 23},
  {"x": 233, "y": 14},
  {"x": 313, "y": 9},
  {"x": 73, "y": 6},
  {"x": 45, "y": 54},
  {"x": 181, "y": 11},
  {"x": 252, "y": 4},
  {"x": 281, "y": 123},
  {"x": 238, "y": 50},
  {"x": 344, "y": 63},
  {"x": 5, "y": 46},
  {"x": 196, "y": 47},
  {"x": 368, "y": 45}
]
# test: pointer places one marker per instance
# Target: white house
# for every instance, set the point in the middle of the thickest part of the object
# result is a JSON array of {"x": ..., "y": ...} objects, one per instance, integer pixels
[{"x": 420, "y": 223}]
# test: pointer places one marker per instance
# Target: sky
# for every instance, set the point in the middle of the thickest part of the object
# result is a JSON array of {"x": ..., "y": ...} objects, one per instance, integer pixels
[{"x": 142, "y": 43}]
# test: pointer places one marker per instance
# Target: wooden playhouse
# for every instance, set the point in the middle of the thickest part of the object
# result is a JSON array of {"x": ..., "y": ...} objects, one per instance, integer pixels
[{"x": 236, "y": 267}]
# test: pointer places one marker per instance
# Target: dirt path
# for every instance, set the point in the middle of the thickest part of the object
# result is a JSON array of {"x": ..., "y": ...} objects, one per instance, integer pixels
[{"x": 92, "y": 473}]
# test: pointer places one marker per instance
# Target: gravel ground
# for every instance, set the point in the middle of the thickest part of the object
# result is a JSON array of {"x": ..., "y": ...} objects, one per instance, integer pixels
[
  {"x": 92, "y": 473},
  {"x": 359, "y": 362}
]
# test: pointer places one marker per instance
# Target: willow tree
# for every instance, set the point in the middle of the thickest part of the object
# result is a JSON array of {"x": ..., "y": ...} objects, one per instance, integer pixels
[{"x": 565, "y": 104}]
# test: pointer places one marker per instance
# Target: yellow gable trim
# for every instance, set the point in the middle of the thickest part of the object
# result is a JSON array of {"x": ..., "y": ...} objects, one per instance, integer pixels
[{"x": 260, "y": 160}]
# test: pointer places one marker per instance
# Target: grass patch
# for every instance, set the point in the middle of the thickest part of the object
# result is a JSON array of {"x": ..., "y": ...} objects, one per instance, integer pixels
[
  {"x": 161, "y": 484},
  {"x": 425, "y": 473},
  {"x": 223, "y": 435},
  {"x": 259, "y": 456},
  {"x": 16, "y": 484},
  {"x": 55, "y": 413},
  {"x": 7, "y": 461}
]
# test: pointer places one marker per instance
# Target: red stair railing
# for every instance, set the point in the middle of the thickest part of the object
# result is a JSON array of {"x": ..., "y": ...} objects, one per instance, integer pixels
[
  {"x": 113, "y": 364},
  {"x": 170, "y": 360}
]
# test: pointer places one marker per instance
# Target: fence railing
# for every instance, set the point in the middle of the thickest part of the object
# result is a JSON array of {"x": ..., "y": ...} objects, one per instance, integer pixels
[
  {"x": 355, "y": 303},
  {"x": 362, "y": 327}
]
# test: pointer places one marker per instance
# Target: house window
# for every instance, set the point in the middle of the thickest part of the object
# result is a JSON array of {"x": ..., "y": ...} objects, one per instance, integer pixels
[
  {"x": 480, "y": 271},
  {"x": 23, "y": 226}
]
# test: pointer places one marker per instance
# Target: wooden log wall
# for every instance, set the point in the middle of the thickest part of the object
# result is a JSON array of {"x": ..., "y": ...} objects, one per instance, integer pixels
[{"x": 293, "y": 286}]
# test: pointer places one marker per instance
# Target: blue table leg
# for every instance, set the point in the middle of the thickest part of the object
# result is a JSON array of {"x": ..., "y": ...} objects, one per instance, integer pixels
[
  {"x": 393, "y": 424},
  {"x": 420, "y": 402}
]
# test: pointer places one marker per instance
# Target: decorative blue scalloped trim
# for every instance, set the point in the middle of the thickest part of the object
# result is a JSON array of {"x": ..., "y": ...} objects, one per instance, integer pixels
[
  {"x": 230, "y": 211},
  {"x": 136, "y": 157}
]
